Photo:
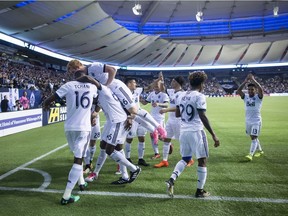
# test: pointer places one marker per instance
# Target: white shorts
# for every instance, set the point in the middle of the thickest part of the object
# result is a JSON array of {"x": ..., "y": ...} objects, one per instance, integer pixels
[
  {"x": 194, "y": 143},
  {"x": 173, "y": 128},
  {"x": 136, "y": 130},
  {"x": 253, "y": 128},
  {"x": 123, "y": 93},
  {"x": 78, "y": 142},
  {"x": 114, "y": 133}
]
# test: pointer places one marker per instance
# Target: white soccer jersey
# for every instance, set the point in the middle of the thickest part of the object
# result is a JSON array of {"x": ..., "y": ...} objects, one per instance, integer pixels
[
  {"x": 79, "y": 99},
  {"x": 110, "y": 105},
  {"x": 189, "y": 103},
  {"x": 173, "y": 96},
  {"x": 136, "y": 95},
  {"x": 253, "y": 108},
  {"x": 96, "y": 70},
  {"x": 159, "y": 97}
]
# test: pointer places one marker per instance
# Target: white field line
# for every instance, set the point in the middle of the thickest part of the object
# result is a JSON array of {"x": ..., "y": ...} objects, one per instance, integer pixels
[
  {"x": 47, "y": 180},
  {"x": 155, "y": 196},
  {"x": 30, "y": 162}
]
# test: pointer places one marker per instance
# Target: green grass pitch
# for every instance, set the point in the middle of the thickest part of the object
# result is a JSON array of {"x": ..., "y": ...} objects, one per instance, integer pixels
[{"x": 229, "y": 176}]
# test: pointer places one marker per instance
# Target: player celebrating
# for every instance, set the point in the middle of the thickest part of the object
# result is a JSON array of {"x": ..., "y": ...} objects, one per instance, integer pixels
[
  {"x": 173, "y": 123},
  {"x": 114, "y": 132},
  {"x": 193, "y": 140},
  {"x": 105, "y": 74},
  {"x": 158, "y": 100},
  {"x": 137, "y": 129},
  {"x": 95, "y": 135},
  {"x": 253, "y": 104},
  {"x": 79, "y": 98}
]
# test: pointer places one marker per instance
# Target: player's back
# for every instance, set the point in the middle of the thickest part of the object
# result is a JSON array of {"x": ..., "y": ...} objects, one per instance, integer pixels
[
  {"x": 110, "y": 105},
  {"x": 79, "y": 99},
  {"x": 189, "y": 104}
]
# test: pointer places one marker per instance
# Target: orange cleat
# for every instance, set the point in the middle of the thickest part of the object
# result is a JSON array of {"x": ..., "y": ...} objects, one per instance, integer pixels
[
  {"x": 190, "y": 163},
  {"x": 162, "y": 164}
]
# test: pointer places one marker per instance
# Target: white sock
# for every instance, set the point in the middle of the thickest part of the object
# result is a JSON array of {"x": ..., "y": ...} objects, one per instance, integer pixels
[
  {"x": 92, "y": 152},
  {"x": 147, "y": 117},
  {"x": 166, "y": 148},
  {"x": 179, "y": 168},
  {"x": 253, "y": 146},
  {"x": 100, "y": 161},
  {"x": 202, "y": 175},
  {"x": 81, "y": 180},
  {"x": 123, "y": 169},
  {"x": 145, "y": 124},
  {"x": 141, "y": 150},
  {"x": 74, "y": 174},
  {"x": 127, "y": 150},
  {"x": 87, "y": 158},
  {"x": 258, "y": 145},
  {"x": 155, "y": 147},
  {"x": 120, "y": 158}
]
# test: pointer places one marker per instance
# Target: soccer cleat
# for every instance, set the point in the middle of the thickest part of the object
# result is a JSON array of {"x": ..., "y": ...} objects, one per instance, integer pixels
[
  {"x": 249, "y": 157},
  {"x": 118, "y": 172},
  {"x": 87, "y": 169},
  {"x": 91, "y": 177},
  {"x": 155, "y": 137},
  {"x": 142, "y": 162},
  {"x": 190, "y": 163},
  {"x": 156, "y": 156},
  {"x": 259, "y": 154},
  {"x": 171, "y": 148},
  {"x": 72, "y": 199},
  {"x": 120, "y": 181},
  {"x": 162, "y": 164},
  {"x": 200, "y": 193},
  {"x": 170, "y": 187},
  {"x": 83, "y": 187},
  {"x": 134, "y": 175},
  {"x": 129, "y": 159},
  {"x": 162, "y": 132}
]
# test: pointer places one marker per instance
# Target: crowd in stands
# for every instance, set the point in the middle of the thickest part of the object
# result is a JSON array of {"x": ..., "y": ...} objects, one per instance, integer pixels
[{"x": 28, "y": 76}]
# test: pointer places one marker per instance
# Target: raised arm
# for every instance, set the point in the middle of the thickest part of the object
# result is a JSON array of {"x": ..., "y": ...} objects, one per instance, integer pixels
[
  {"x": 111, "y": 73},
  {"x": 258, "y": 86},
  {"x": 240, "y": 88}
]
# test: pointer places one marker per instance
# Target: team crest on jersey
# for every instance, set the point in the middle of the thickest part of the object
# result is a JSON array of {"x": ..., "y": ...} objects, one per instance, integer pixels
[{"x": 158, "y": 96}]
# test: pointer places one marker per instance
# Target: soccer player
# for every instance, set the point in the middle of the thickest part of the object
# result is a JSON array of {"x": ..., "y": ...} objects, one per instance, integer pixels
[
  {"x": 173, "y": 123},
  {"x": 79, "y": 98},
  {"x": 253, "y": 104},
  {"x": 113, "y": 134},
  {"x": 137, "y": 129},
  {"x": 105, "y": 74},
  {"x": 95, "y": 135},
  {"x": 158, "y": 100},
  {"x": 191, "y": 108}
]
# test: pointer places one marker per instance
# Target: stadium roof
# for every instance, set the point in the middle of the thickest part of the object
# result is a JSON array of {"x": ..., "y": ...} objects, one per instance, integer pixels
[{"x": 165, "y": 35}]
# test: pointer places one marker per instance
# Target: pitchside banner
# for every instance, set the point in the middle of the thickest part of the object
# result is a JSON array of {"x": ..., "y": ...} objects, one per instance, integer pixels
[
  {"x": 18, "y": 121},
  {"x": 54, "y": 115}
]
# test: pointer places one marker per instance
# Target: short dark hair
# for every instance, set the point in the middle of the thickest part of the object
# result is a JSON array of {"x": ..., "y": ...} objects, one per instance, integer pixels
[
  {"x": 180, "y": 80},
  {"x": 196, "y": 78},
  {"x": 79, "y": 73},
  {"x": 129, "y": 79},
  {"x": 251, "y": 85}
]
